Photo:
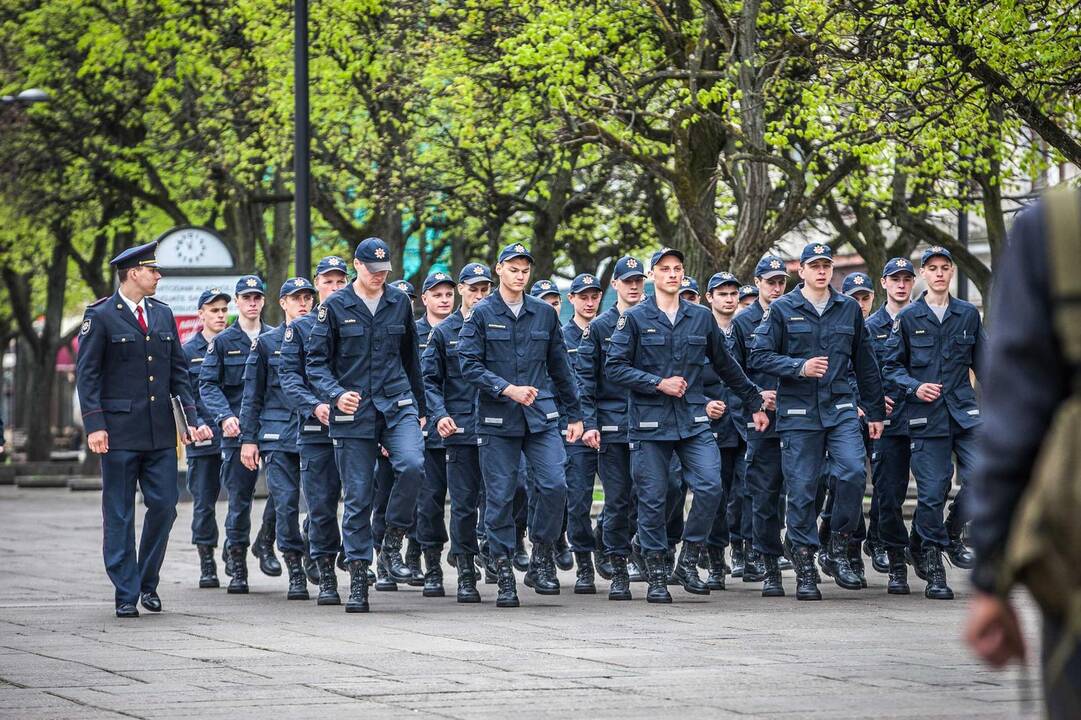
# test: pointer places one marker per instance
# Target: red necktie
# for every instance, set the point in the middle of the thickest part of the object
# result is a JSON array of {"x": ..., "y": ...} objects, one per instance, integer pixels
[{"x": 140, "y": 318}]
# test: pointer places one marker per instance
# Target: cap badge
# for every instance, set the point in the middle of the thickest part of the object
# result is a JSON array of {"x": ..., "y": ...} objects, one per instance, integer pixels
[
  {"x": 334, "y": 261},
  {"x": 775, "y": 264},
  {"x": 519, "y": 248},
  {"x": 251, "y": 282},
  {"x": 858, "y": 280},
  {"x": 588, "y": 280},
  {"x": 440, "y": 276},
  {"x": 380, "y": 253},
  {"x": 819, "y": 249},
  {"x": 478, "y": 270},
  {"x": 632, "y": 263}
]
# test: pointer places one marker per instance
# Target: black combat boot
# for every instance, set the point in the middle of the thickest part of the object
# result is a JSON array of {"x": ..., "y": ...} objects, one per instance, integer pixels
[
  {"x": 898, "y": 583},
  {"x": 914, "y": 556},
  {"x": 328, "y": 582},
  {"x": 754, "y": 570},
  {"x": 715, "y": 580},
  {"x": 692, "y": 583},
  {"x": 877, "y": 552},
  {"x": 383, "y": 581},
  {"x": 433, "y": 578},
  {"x": 738, "y": 558},
  {"x": 467, "y": 579},
  {"x": 657, "y": 577},
  {"x": 358, "y": 587},
  {"x": 521, "y": 557},
  {"x": 487, "y": 563},
  {"x": 804, "y": 560},
  {"x": 263, "y": 548},
  {"x": 298, "y": 583},
  {"x": 771, "y": 586},
  {"x": 855, "y": 561},
  {"x": 586, "y": 582},
  {"x": 837, "y": 559},
  {"x": 936, "y": 589},
  {"x": 226, "y": 559},
  {"x": 620, "y": 587},
  {"x": 541, "y": 575},
  {"x": 239, "y": 583},
  {"x": 785, "y": 561},
  {"x": 391, "y": 556},
  {"x": 673, "y": 566},
  {"x": 959, "y": 554},
  {"x": 564, "y": 560},
  {"x": 508, "y": 591},
  {"x": 208, "y": 570},
  {"x": 413, "y": 552},
  {"x": 311, "y": 568},
  {"x": 343, "y": 564},
  {"x": 604, "y": 563}
]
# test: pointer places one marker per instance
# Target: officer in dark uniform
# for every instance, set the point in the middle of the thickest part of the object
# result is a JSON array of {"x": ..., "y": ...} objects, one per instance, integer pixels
[
  {"x": 658, "y": 351},
  {"x": 221, "y": 385},
  {"x": 604, "y": 407},
  {"x": 204, "y": 456},
  {"x": 452, "y": 413},
  {"x": 319, "y": 478},
  {"x": 511, "y": 348},
  {"x": 814, "y": 339},
  {"x": 363, "y": 355},
  {"x": 269, "y": 427},
  {"x": 936, "y": 342},
  {"x": 130, "y": 363}
]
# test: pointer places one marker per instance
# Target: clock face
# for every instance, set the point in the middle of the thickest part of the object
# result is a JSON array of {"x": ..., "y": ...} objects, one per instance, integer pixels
[{"x": 192, "y": 248}]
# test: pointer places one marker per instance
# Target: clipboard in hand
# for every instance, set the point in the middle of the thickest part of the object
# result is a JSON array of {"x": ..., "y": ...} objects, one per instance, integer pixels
[{"x": 180, "y": 417}]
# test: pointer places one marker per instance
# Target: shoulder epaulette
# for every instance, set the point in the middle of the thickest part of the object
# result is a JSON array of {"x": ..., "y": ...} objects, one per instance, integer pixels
[{"x": 99, "y": 301}]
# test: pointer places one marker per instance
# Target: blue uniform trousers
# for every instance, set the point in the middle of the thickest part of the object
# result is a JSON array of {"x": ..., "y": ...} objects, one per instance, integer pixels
[
  {"x": 826, "y": 497},
  {"x": 154, "y": 471},
  {"x": 651, "y": 463},
  {"x": 675, "y": 500},
  {"x": 465, "y": 484},
  {"x": 740, "y": 506},
  {"x": 765, "y": 482},
  {"x": 723, "y": 531},
  {"x": 322, "y": 486},
  {"x": 890, "y": 461},
  {"x": 932, "y": 464},
  {"x": 581, "y": 471},
  {"x": 500, "y": 458},
  {"x": 522, "y": 507},
  {"x": 384, "y": 481},
  {"x": 204, "y": 484},
  {"x": 239, "y": 484},
  {"x": 614, "y": 467},
  {"x": 283, "y": 481},
  {"x": 432, "y": 499}
]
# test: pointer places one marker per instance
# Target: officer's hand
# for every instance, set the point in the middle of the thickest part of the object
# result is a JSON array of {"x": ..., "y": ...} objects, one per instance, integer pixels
[
  {"x": 674, "y": 386},
  {"x": 715, "y": 409},
  {"x": 249, "y": 456},
  {"x": 203, "y": 432},
  {"x": 348, "y": 402},
  {"x": 816, "y": 367},
  {"x": 446, "y": 427},
  {"x": 574, "y": 431},
  {"x": 761, "y": 421},
  {"x": 322, "y": 413},
  {"x": 230, "y": 427},
  {"x": 98, "y": 441},
  {"x": 385, "y": 452},
  {"x": 929, "y": 392},
  {"x": 522, "y": 394},
  {"x": 592, "y": 438},
  {"x": 190, "y": 436},
  {"x": 992, "y": 630},
  {"x": 874, "y": 430},
  {"x": 769, "y": 399},
  {"x": 889, "y": 405}
]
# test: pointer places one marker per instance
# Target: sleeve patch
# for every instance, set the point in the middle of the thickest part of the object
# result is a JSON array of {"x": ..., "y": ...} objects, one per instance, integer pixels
[
  {"x": 322, "y": 313},
  {"x": 85, "y": 327},
  {"x": 622, "y": 322}
]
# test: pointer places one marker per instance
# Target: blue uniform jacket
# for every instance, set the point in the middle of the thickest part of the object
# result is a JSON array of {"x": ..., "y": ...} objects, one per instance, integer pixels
[
  {"x": 378, "y": 357},
  {"x": 497, "y": 349},
  {"x": 221, "y": 381},
  {"x": 646, "y": 348},
  {"x": 743, "y": 327},
  {"x": 605, "y": 403},
  {"x": 448, "y": 393},
  {"x": 195, "y": 351},
  {"x": 572, "y": 338},
  {"x": 879, "y": 326},
  {"x": 791, "y": 333},
  {"x": 125, "y": 377},
  {"x": 424, "y": 334},
  {"x": 921, "y": 350},
  {"x": 266, "y": 417},
  {"x": 726, "y": 428},
  {"x": 297, "y": 390}
]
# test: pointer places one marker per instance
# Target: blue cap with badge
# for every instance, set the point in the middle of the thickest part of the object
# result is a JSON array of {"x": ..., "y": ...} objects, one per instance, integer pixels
[
  {"x": 748, "y": 291},
  {"x": 935, "y": 251},
  {"x": 688, "y": 284},
  {"x": 721, "y": 278},
  {"x": 437, "y": 278},
  {"x": 815, "y": 251},
  {"x": 542, "y": 288},
  {"x": 517, "y": 250},
  {"x": 331, "y": 263},
  {"x": 138, "y": 256},
  {"x": 375, "y": 255},
  {"x": 857, "y": 282},
  {"x": 628, "y": 267},
  {"x": 663, "y": 252},
  {"x": 295, "y": 285},
  {"x": 770, "y": 266},
  {"x": 210, "y": 296},
  {"x": 897, "y": 265},
  {"x": 585, "y": 281},
  {"x": 405, "y": 286},
  {"x": 474, "y": 273},
  {"x": 250, "y": 284}
]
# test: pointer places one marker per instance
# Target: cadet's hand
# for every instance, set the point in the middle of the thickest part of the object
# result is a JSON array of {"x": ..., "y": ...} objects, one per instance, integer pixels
[
  {"x": 348, "y": 402},
  {"x": 816, "y": 367},
  {"x": 190, "y": 436},
  {"x": 230, "y": 427},
  {"x": 889, "y": 405},
  {"x": 874, "y": 430},
  {"x": 249, "y": 456},
  {"x": 522, "y": 394},
  {"x": 860, "y": 413},
  {"x": 715, "y": 409},
  {"x": 929, "y": 392},
  {"x": 769, "y": 399},
  {"x": 383, "y": 450},
  {"x": 574, "y": 431},
  {"x": 322, "y": 413},
  {"x": 98, "y": 441},
  {"x": 423, "y": 421},
  {"x": 674, "y": 386},
  {"x": 992, "y": 630},
  {"x": 446, "y": 427},
  {"x": 592, "y": 438},
  {"x": 761, "y": 421}
]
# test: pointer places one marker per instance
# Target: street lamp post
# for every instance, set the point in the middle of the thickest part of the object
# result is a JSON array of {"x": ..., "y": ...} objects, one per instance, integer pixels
[{"x": 302, "y": 143}]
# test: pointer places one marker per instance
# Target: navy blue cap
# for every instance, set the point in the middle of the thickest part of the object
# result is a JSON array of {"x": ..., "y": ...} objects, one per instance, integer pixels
[
  {"x": 437, "y": 278},
  {"x": 748, "y": 291},
  {"x": 250, "y": 284},
  {"x": 770, "y": 266},
  {"x": 857, "y": 282},
  {"x": 815, "y": 251},
  {"x": 516, "y": 250},
  {"x": 935, "y": 251},
  {"x": 295, "y": 285},
  {"x": 585, "y": 281},
  {"x": 138, "y": 256},
  {"x": 627, "y": 268},
  {"x": 374, "y": 253},
  {"x": 474, "y": 273},
  {"x": 661, "y": 253},
  {"x": 405, "y": 286},
  {"x": 898, "y": 265},
  {"x": 688, "y": 284},
  {"x": 542, "y": 288},
  {"x": 210, "y": 296},
  {"x": 722, "y": 278},
  {"x": 331, "y": 263}
]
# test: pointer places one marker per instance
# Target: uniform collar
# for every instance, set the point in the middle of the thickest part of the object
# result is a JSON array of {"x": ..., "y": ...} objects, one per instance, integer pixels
[
  {"x": 500, "y": 305},
  {"x": 799, "y": 297},
  {"x": 921, "y": 301},
  {"x": 126, "y": 310}
]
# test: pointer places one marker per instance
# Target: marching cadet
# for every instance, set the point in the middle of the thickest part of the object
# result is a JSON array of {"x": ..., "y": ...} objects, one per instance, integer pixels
[
  {"x": 437, "y": 295},
  {"x": 604, "y": 407},
  {"x": 268, "y": 426},
  {"x": 658, "y": 351},
  {"x": 585, "y": 296},
  {"x": 221, "y": 385},
  {"x": 204, "y": 456},
  {"x": 689, "y": 290},
  {"x": 363, "y": 356},
  {"x": 511, "y": 348},
  {"x": 547, "y": 291},
  {"x": 747, "y": 296},
  {"x": 813, "y": 338},
  {"x": 452, "y": 413},
  {"x": 130, "y": 364},
  {"x": 319, "y": 478},
  {"x": 936, "y": 342}
]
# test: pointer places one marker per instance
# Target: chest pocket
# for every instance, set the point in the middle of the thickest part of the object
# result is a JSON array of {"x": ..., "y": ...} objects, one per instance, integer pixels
[
  {"x": 273, "y": 368},
  {"x": 964, "y": 345},
  {"x": 921, "y": 350},
  {"x": 123, "y": 346},
  {"x": 498, "y": 341},
  {"x": 454, "y": 367},
  {"x": 696, "y": 349},
  {"x": 538, "y": 343},
  {"x": 800, "y": 338},
  {"x": 651, "y": 347},
  {"x": 393, "y": 337},
  {"x": 234, "y": 369},
  {"x": 841, "y": 340},
  {"x": 352, "y": 339}
]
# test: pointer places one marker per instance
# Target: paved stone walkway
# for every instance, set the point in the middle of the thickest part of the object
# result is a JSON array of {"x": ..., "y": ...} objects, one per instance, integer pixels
[{"x": 211, "y": 655}]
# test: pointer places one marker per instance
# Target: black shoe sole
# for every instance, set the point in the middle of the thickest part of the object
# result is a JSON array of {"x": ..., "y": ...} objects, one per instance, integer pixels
[
  {"x": 773, "y": 593},
  {"x": 270, "y": 572},
  {"x": 298, "y": 596},
  {"x": 416, "y": 583},
  {"x": 899, "y": 591},
  {"x": 546, "y": 591},
  {"x": 237, "y": 591},
  {"x": 847, "y": 586},
  {"x": 590, "y": 590},
  {"x": 942, "y": 597},
  {"x": 336, "y": 600},
  {"x": 209, "y": 583},
  {"x": 434, "y": 593},
  {"x": 659, "y": 601},
  {"x": 356, "y": 608},
  {"x": 128, "y": 616},
  {"x": 696, "y": 591},
  {"x": 809, "y": 598},
  {"x": 507, "y": 603},
  {"x": 619, "y": 597},
  {"x": 468, "y": 599},
  {"x": 386, "y": 587}
]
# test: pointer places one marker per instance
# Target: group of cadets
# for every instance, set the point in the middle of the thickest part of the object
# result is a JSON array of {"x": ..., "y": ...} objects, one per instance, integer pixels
[{"x": 767, "y": 405}]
